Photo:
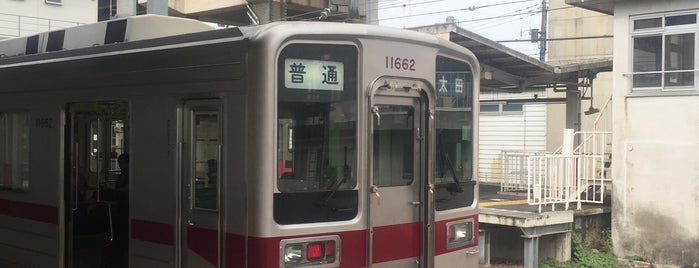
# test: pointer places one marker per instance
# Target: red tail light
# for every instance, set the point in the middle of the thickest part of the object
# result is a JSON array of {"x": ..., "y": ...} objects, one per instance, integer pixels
[
  {"x": 315, "y": 251},
  {"x": 323, "y": 251}
]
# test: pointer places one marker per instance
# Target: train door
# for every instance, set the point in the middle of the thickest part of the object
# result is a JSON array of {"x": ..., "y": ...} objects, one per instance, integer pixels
[
  {"x": 399, "y": 220},
  {"x": 96, "y": 150},
  {"x": 201, "y": 179}
]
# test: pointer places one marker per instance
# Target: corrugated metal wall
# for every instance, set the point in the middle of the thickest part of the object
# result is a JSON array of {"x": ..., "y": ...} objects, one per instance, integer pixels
[{"x": 520, "y": 131}]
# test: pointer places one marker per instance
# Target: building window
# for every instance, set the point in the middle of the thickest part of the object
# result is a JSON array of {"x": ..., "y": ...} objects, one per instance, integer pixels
[
  {"x": 14, "y": 151},
  {"x": 501, "y": 108},
  {"x": 664, "y": 53}
]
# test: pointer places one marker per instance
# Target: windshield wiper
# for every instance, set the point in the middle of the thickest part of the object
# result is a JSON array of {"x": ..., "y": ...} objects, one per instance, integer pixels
[
  {"x": 323, "y": 201},
  {"x": 454, "y": 187}
]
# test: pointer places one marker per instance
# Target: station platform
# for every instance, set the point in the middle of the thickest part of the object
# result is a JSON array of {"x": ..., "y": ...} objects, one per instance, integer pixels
[{"x": 510, "y": 227}]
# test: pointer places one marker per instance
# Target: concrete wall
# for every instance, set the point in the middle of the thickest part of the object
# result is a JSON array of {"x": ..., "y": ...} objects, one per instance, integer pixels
[
  {"x": 508, "y": 246},
  {"x": 566, "y": 22},
  {"x": 22, "y": 18},
  {"x": 655, "y": 197}
]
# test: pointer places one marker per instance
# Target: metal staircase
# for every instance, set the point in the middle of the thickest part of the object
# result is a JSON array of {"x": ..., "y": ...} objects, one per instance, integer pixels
[
  {"x": 571, "y": 174},
  {"x": 575, "y": 175}
]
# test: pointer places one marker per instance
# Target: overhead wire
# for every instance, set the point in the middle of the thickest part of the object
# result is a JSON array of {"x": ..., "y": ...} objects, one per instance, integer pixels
[
  {"x": 476, "y": 26},
  {"x": 383, "y": 3},
  {"x": 461, "y": 9},
  {"x": 523, "y": 12},
  {"x": 503, "y": 21},
  {"x": 472, "y": 8}
]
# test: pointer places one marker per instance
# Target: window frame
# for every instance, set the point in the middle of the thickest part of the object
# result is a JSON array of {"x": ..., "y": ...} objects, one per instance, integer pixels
[
  {"x": 663, "y": 31},
  {"x": 501, "y": 108},
  {"x": 454, "y": 191},
  {"x": 300, "y": 206}
]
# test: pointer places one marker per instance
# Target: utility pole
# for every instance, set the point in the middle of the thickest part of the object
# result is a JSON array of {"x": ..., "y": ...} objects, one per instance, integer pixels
[{"x": 542, "y": 36}]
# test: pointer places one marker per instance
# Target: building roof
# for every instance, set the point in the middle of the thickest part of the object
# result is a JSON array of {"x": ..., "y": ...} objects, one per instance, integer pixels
[
  {"x": 507, "y": 69},
  {"x": 603, "y": 6}
]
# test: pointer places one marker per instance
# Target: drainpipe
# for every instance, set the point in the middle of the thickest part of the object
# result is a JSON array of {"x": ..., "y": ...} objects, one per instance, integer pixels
[{"x": 573, "y": 109}]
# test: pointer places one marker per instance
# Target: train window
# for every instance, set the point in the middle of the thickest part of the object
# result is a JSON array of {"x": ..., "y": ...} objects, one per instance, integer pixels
[
  {"x": 116, "y": 142},
  {"x": 317, "y": 132},
  {"x": 207, "y": 142},
  {"x": 394, "y": 146},
  {"x": 14, "y": 151},
  {"x": 454, "y": 123}
]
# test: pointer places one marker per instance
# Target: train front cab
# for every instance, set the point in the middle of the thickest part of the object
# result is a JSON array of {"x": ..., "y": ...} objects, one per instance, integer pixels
[{"x": 374, "y": 152}]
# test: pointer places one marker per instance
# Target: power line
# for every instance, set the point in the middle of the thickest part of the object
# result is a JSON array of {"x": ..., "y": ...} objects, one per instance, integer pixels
[
  {"x": 368, "y": 10},
  {"x": 488, "y": 24},
  {"x": 466, "y": 21},
  {"x": 445, "y": 11},
  {"x": 471, "y": 8},
  {"x": 557, "y": 39},
  {"x": 406, "y": 5},
  {"x": 391, "y": 2},
  {"x": 531, "y": 13}
]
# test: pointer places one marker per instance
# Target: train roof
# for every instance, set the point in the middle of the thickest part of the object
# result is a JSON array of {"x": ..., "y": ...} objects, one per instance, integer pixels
[{"x": 156, "y": 31}]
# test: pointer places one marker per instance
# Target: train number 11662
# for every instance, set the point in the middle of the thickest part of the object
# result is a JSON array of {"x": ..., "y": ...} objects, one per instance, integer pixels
[{"x": 397, "y": 63}]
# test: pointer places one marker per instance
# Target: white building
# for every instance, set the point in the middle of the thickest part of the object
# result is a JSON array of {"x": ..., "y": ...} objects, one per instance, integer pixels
[
  {"x": 29, "y": 17},
  {"x": 656, "y": 128},
  {"x": 509, "y": 122}
]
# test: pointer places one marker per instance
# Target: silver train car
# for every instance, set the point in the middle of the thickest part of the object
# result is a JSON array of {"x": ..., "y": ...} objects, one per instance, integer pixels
[{"x": 161, "y": 142}]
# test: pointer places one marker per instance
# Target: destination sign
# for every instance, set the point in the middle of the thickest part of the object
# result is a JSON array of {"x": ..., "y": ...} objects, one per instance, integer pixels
[
  {"x": 456, "y": 86},
  {"x": 313, "y": 74}
]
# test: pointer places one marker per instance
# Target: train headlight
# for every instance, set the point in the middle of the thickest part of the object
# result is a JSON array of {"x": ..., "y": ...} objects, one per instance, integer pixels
[
  {"x": 459, "y": 233},
  {"x": 293, "y": 254},
  {"x": 322, "y": 251}
]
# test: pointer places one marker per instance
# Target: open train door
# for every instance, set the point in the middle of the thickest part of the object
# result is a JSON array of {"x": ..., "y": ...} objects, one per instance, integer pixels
[
  {"x": 202, "y": 132},
  {"x": 400, "y": 206},
  {"x": 96, "y": 184}
]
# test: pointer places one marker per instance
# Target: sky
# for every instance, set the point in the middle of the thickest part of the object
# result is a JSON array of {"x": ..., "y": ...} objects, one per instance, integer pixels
[{"x": 495, "y": 19}]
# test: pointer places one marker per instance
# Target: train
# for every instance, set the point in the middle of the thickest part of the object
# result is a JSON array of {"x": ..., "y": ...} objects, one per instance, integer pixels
[{"x": 154, "y": 141}]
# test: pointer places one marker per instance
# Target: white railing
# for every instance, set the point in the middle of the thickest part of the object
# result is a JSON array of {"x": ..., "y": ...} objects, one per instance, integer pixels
[
  {"x": 565, "y": 179},
  {"x": 593, "y": 142},
  {"x": 550, "y": 178},
  {"x": 514, "y": 170},
  {"x": 603, "y": 122},
  {"x": 571, "y": 175},
  {"x": 16, "y": 25}
]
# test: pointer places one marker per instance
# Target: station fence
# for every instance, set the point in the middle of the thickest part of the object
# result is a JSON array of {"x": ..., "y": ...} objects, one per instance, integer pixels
[{"x": 569, "y": 175}]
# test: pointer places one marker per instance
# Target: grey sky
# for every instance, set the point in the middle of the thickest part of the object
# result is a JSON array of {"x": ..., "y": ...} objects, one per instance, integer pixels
[{"x": 514, "y": 17}]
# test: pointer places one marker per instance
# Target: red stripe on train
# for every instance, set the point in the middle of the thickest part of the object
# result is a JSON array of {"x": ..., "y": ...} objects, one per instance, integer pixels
[
  {"x": 155, "y": 232},
  {"x": 235, "y": 250},
  {"x": 264, "y": 252},
  {"x": 204, "y": 242},
  {"x": 395, "y": 242},
  {"x": 29, "y": 211}
]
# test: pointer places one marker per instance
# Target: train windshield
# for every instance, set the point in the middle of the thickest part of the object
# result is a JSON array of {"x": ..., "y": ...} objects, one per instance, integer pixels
[
  {"x": 317, "y": 118},
  {"x": 454, "y": 123},
  {"x": 317, "y": 134}
]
